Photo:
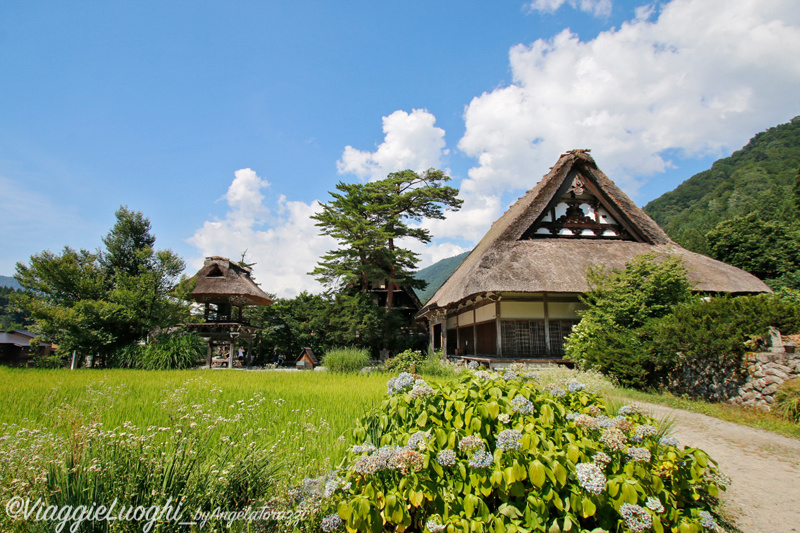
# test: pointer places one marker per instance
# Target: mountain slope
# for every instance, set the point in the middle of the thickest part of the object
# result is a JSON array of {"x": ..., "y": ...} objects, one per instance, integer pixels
[
  {"x": 437, "y": 274},
  {"x": 756, "y": 179},
  {"x": 7, "y": 281}
]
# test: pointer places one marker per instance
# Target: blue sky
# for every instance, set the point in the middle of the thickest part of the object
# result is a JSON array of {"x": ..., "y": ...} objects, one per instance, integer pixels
[{"x": 225, "y": 123}]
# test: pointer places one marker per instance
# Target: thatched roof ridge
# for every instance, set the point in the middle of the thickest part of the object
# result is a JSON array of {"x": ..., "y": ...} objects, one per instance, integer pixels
[
  {"x": 501, "y": 262},
  {"x": 222, "y": 280}
]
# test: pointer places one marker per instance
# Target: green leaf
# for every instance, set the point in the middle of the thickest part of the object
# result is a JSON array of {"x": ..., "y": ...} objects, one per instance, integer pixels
[
  {"x": 422, "y": 419},
  {"x": 536, "y": 471},
  {"x": 588, "y": 507},
  {"x": 494, "y": 409}
]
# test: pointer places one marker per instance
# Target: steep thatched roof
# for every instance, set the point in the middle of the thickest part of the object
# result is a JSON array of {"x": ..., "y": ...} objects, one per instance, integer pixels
[
  {"x": 224, "y": 281},
  {"x": 507, "y": 260}
]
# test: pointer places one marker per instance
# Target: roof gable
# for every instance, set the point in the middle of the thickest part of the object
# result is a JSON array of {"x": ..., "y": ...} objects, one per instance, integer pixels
[
  {"x": 514, "y": 256},
  {"x": 580, "y": 209}
]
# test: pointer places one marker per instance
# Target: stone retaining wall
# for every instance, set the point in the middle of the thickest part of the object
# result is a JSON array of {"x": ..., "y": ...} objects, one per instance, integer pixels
[
  {"x": 751, "y": 383},
  {"x": 765, "y": 373}
]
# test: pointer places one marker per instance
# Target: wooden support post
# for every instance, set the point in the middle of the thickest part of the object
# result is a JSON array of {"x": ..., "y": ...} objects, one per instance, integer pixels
[
  {"x": 209, "y": 352},
  {"x": 230, "y": 354},
  {"x": 474, "y": 331},
  {"x": 499, "y": 330},
  {"x": 546, "y": 324}
]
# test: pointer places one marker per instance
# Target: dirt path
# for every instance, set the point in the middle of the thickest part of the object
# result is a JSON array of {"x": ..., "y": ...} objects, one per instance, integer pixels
[{"x": 764, "y": 496}]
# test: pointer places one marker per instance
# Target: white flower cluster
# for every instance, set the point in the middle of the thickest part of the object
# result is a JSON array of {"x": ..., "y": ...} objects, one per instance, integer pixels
[
  {"x": 636, "y": 518},
  {"x": 522, "y": 405},
  {"x": 509, "y": 439},
  {"x": 400, "y": 383},
  {"x": 591, "y": 477}
]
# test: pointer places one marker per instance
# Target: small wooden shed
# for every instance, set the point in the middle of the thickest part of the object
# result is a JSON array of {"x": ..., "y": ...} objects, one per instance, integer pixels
[{"x": 306, "y": 360}]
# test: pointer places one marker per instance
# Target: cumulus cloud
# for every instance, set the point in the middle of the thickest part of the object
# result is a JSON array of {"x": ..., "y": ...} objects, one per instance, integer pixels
[
  {"x": 697, "y": 78},
  {"x": 598, "y": 8},
  {"x": 282, "y": 241},
  {"x": 412, "y": 141}
]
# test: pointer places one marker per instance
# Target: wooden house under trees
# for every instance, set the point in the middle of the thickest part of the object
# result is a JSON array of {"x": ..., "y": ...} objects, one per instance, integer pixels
[
  {"x": 516, "y": 296},
  {"x": 225, "y": 287}
]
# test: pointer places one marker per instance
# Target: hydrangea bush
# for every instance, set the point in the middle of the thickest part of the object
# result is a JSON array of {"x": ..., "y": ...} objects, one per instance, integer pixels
[{"x": 496, "y": 452}]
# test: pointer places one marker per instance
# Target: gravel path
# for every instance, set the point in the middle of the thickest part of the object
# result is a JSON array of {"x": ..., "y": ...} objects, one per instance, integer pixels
[{"x": 764, "y": 496}]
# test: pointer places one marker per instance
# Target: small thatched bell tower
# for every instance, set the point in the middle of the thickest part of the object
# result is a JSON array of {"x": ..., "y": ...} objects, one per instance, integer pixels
[{"x": 225, "y": 287}]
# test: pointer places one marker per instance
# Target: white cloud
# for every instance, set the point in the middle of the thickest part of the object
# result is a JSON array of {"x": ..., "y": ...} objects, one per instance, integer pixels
[
  {"x": 283, "y": 241},
  {"x": 598, "y": 8},
  {"x": 412, "y": 142},
  {"x": 699, "y": 79}
]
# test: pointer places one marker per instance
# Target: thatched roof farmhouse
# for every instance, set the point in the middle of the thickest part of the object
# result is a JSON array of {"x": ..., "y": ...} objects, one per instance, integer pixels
[{"x": 516, "y": 294}]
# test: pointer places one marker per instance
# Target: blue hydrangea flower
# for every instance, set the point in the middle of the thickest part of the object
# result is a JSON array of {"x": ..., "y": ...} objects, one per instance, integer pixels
[
  {"x": 522, "y": 405},
  {"x": 400, "y": 383},
  {"x": 420, "y": 389},
  {"x": 646, "y": 430},
  {"x": 366, "y": 447},
  {"x": 558, "y": 393},
  {"x": 639, "y": 454},
  {"x": 591, "y": 477},
  {"x": 332, "y": 522},
  {"x": 481, "y": 459},
  {"x": 575, "y": 386},
  {"x": 471, "y": 443},
  {"x": 509, "y": 439},
  {"x": 707, "y": 521},
  {"x": 446, "y": 458},
  {"x": 669, "y": 441},
  {"x": 508, "y": 375},
  {"x": 636, "y": 518},
  {"x": 418, "y": 438}
]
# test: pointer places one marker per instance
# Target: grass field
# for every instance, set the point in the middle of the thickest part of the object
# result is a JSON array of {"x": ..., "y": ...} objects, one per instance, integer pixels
[{"x": 115, "y": 397}]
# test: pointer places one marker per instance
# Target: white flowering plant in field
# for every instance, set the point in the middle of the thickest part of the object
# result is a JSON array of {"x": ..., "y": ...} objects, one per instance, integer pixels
[{"x": 494, "y": 452}]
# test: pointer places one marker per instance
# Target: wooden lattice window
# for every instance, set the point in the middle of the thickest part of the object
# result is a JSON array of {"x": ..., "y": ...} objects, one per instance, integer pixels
[{"x": 523, "y": 338}]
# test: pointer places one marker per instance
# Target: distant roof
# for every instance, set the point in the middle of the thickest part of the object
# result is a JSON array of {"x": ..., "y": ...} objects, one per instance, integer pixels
[
  {"x": 224, "y": 281},
  {"x": 519, "y": 254}
]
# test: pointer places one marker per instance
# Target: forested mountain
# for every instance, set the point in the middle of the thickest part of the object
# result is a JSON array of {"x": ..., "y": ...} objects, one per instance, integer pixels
[
  {"x": 8, "y": 281},
  {"x": 759, "y": 178},
  {"x": 437, "y": 274}
]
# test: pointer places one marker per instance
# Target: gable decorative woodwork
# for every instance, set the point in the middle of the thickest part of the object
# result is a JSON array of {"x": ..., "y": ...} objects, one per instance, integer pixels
[{"x": 579, "y": 210}]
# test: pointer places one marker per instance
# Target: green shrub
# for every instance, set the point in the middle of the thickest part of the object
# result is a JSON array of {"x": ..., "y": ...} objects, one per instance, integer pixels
[
  {"x": 407, "y": 361},
  {"x": 346, "y": 359},
  {"x": 436, "y": 365},
  {"x": 787, "y": 400},
  {"x": 173, "y": 351},
  {"x": 495, "y": 452},
  {"x": 168, "y": 351},
  {"x": 718, "y": 329},
  {"x": 611, "y": 336}
]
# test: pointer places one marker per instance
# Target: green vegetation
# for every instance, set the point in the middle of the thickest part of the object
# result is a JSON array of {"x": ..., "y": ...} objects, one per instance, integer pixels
[
  {"x": 644, "y": 328},
  {"x": 760, "y": 178},
  {"x": 435, "y": 275},
  {"x": 767, "y": 249},
  {"x": 497, "y": 452},
  {"x": 11, "y": 316},
  {"x": 325, "y": 321},
  {"x": 216, "y": 438},
  {"x": 787, "y": 400},
  {"x": 612, "y": 335},
  {"x": 744, "y": 209},
  {"x": 168, "y": 351},
  {"x": 346, "y": 360},
  {"x": 97, "y": 302},
  {"x": 369, "y": 219}
]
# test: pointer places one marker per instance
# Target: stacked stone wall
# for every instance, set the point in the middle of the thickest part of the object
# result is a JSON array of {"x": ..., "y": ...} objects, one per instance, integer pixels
[
  {"x": 751, "y": 383},
  {"x": 765, "y": 373}
]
